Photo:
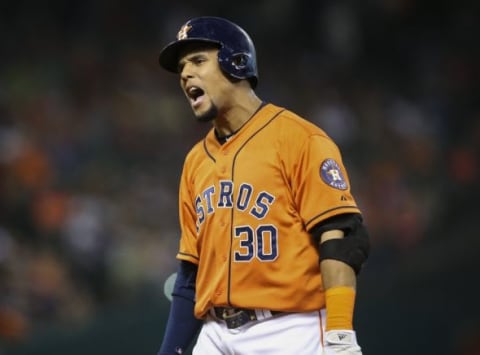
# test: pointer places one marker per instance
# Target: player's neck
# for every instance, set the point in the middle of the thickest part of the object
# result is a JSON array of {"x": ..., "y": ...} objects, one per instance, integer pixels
[{"x": 233, "y": 118}]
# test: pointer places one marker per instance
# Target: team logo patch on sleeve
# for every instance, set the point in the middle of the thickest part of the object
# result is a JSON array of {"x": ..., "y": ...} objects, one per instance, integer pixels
[{"x": 332, "y": 174}]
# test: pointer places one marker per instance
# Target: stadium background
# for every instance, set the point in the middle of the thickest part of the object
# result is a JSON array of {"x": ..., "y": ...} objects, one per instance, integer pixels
[{"x": 93, "y": 136}]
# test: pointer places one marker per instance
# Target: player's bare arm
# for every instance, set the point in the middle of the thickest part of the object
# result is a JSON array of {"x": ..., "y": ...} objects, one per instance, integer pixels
[
  {"x": 342, "y": 252},
  {"x": 335, "y": 272}
]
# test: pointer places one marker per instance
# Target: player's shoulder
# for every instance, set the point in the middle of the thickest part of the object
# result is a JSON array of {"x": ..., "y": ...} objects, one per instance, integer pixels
[
  {"x": 195, "y": 150},
  {"x": 295, "y": 124}
]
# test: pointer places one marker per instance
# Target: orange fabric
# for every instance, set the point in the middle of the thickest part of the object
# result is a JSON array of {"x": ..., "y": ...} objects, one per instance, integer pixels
[
  {"x": 340, "y": 304},
  {"x": 246, "y": 207},
  {"x": 50, "y": 210},
  {"x": 32, "y": 168},
  {"x": 13, "y": 325}
]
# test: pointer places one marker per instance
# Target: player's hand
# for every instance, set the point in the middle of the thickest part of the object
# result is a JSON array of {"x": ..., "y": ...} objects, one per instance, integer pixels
[{"x": 341, "y": 342}]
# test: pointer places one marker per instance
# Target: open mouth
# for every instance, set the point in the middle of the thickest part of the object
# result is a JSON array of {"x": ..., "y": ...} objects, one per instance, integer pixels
[{"x": 195, "y": 94}]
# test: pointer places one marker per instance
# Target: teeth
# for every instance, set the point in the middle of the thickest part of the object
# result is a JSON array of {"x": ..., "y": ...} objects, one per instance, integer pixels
[{"x": 194, "y": 92}]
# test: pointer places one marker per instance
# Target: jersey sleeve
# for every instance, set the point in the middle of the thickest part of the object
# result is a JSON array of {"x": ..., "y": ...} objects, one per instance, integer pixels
[
  {"x": 187, "y": 217},
  {"x": 321, "y": 185}
]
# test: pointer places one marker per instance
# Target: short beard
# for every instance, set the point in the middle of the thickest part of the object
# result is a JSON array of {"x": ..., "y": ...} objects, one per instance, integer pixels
[{"x": 210, "y": 115}]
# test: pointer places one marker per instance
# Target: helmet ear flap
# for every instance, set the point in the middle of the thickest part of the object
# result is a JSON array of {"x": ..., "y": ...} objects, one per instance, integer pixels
[
  {"x": 237, "y": 65},
  {"x": 240, "y": 60}
]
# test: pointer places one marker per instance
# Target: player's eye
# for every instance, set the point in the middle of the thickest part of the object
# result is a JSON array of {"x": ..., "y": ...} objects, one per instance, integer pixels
[{"x": 199, "y": 60}]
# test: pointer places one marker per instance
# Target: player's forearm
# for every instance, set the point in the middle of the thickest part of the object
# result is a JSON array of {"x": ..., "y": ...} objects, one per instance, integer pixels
[
  {"x": 181, "y": 328},
  {"x": 339, "y": 281},
  {"x": 336, "y": 273}
]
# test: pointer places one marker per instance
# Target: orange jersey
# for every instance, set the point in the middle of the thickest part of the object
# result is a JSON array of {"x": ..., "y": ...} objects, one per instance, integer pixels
[{"x": 246, "y": 208}]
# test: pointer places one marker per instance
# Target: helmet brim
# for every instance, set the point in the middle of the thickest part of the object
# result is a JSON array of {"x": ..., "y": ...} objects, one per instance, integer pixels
[{"x": 170, "y": 54}]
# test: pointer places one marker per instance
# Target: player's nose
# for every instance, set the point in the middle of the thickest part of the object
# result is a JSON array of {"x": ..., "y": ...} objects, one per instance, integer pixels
[{"x": 186, "y": 71}]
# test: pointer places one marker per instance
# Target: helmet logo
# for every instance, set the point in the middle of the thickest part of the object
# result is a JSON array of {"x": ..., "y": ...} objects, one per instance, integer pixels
[{"x": 182, "y": 34}]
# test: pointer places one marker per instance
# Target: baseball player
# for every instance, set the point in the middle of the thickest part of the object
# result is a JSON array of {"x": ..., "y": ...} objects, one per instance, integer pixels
[{"x": 271, "y": 236}]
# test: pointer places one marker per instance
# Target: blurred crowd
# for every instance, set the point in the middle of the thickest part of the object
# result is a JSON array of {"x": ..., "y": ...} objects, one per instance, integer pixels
[{"x": 93, "y": 136}]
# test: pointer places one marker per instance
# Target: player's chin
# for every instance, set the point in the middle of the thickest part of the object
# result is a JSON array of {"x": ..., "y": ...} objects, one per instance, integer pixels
[{"x": 206, "y": 115}]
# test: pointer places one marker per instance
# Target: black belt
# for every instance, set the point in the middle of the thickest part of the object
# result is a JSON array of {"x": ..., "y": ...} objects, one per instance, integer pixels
[{"x": 236, "y": 317}]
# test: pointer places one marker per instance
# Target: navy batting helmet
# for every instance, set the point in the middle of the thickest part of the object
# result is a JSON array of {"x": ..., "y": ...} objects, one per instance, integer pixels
[{"x": 237, "y": 57}]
